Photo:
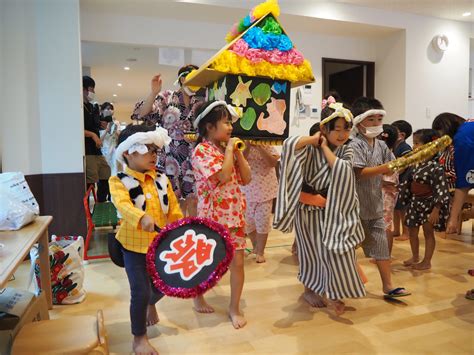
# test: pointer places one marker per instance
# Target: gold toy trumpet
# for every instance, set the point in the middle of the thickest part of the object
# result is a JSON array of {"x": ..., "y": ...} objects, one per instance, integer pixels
[{"x": 239, "y": 145}]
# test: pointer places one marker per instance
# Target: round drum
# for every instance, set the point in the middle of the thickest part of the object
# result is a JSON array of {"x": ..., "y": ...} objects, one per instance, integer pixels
[{"x": 188, "y": 257}]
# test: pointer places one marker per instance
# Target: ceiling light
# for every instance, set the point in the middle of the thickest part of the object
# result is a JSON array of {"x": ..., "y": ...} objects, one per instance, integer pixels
[
  {"x": 119, "y": 84},
  {"x": 466, "y": 14},
  {"x": 114, "y": 95},
  {"x": 126, "y": 68}
]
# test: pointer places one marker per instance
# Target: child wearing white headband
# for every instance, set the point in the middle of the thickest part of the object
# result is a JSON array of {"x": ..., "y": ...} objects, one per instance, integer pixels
[
  {"x": 371, "y": 158},
  {"x": 219, "y": 170},
  {"x": 145, "y": 200}
]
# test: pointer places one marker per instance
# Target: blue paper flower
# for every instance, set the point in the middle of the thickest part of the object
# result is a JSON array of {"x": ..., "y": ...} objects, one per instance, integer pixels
[
  {"x": 247, "y": 21},
  {"x": 256, "y": 38}
]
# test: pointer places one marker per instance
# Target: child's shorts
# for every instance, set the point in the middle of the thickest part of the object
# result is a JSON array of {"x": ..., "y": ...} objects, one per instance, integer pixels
[
  {"x": 259, "y": 217},
  {"x": 238, "y": 237},
  {"x": 375, "y": 244}
]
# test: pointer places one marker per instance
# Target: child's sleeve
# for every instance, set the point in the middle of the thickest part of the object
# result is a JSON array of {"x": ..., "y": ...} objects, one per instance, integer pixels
[
  {"x": 207, "y": 162},
  {"x": 359, "y": 159},
  {"x": 440, "y": 187},
  {"x": 123, "y": 203},
  {"x": 174, "y": 212}
]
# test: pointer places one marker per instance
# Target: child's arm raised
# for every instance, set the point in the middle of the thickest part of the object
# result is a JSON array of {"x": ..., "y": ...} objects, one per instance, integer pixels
[
  {"x": 135, "y": 216},
  {"x": 314, "y": 140}
]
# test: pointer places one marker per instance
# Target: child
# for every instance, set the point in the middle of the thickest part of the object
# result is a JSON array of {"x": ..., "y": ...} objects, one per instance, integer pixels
[
  {"x": 219, "y": 169},
  {"x": 389, "y": 185},
  {"x": 427, "y": 197},
  {"x": 400, "y": 149},
  {"x": 259, "y": 195},
  {"x": 448, "y": 124},
  {"x": 371, "y": 158},
  {"x": 143, "y": 206},
  {"x": 317, "y": 195}
]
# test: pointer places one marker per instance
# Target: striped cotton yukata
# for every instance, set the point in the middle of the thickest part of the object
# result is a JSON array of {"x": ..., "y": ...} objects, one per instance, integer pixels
[
  {"x": 326, "y": 237},
  {"x": 375, "y": 244}
]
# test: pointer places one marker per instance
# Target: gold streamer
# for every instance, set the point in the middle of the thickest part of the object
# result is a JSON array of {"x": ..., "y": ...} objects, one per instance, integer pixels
[{"x": 420, "y": 154}]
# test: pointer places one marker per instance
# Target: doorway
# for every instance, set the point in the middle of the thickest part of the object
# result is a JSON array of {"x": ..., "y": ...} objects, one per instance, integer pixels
[{"x": 350, "y": 78}]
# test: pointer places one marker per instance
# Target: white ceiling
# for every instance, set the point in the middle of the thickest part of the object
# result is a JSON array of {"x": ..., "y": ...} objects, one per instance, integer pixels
[{"x": 447, "y": 9}]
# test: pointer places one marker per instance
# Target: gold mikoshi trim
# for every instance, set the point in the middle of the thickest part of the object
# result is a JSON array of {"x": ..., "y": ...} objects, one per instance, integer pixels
[
  {"x": 420, "y": 154},
  {"x": 192, "y": 137}
]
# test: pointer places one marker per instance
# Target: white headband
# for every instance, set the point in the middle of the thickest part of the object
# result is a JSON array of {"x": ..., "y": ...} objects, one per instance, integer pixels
[
  {"x": 208, "y": 109},
  {"x": 363, "y": 116},
  {"x": 184, "y": 73},
  {"x": 339, "y": 111},
  {"x": 137, "y": 142}
]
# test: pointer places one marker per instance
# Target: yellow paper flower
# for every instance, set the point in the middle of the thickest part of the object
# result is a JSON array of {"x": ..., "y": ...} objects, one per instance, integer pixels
[
  {"x": 229, "y": 62},
  {"x": 266, "y": 7}
]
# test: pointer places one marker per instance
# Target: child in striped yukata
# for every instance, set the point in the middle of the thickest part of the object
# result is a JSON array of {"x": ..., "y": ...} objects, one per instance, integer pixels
[{"x": 371, "y": 158}]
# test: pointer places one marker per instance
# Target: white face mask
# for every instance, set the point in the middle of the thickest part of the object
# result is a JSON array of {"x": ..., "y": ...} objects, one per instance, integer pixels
[
  {"x": 188, "y": 91},
  {"x": 90, "y": 96},
  {"x": 372, "y": 132},
  {"x": 107, "y": 113}
]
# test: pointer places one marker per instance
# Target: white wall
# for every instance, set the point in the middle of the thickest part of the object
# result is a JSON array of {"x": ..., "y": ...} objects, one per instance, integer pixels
[
  {"x": 390, "y": 75},
  {"x": 316, "y": 47},
  {"x": 42, "y": 122}
]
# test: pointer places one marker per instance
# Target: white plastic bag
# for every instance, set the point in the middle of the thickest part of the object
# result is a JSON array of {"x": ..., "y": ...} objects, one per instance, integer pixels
[
  {"x": 18, "y": 206},
  {"x": 67, "y": 269}
]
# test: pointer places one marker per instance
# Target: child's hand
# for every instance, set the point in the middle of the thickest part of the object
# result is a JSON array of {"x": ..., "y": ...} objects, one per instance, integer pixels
[
  {"x": 147, "y": 223},
  {"x": 231, "y": 143},
  {"x": 434, "y": 216},
  {"x": 323, "y": 141},
  {"x": 317, "y": 139}
]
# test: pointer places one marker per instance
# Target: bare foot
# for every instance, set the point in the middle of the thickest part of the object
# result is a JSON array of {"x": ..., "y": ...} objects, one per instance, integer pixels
[
  {"x": 402, "y": 238},
  {"x": 422, "y": 266},
  {"x": 411, "y": 261},
  {"x": 141, "y": 346},
  {"x": 335, "y": 305},
  {"x": 152, "y": 316},
  {"x": 201, "y": 306},
  {"x": 260, "y": 259},
  {"x": 313, "y": 299},
  {"x": 237, "y": 319}
]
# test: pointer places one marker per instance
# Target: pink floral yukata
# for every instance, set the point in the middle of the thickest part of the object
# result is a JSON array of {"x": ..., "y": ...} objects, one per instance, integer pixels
[{"x": 223, "y": 203}]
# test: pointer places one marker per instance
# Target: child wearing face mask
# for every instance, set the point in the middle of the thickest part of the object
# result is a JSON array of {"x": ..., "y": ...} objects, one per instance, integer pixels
[{"x": 371, "y": 158}]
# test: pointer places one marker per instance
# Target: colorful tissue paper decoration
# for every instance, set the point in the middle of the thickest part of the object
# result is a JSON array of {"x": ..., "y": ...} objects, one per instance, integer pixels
[
  {"x": 269, "y": 6},
  {"x": 263, "y": 49}
]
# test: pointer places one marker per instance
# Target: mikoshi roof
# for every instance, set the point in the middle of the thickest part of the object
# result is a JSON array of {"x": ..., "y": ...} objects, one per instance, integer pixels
[{"x": 257, "y": 46}]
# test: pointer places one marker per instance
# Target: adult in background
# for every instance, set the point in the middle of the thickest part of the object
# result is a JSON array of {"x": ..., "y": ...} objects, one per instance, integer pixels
[
  {"x": 174, "y": 111},
  {"x": 97, "y": 169}
]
